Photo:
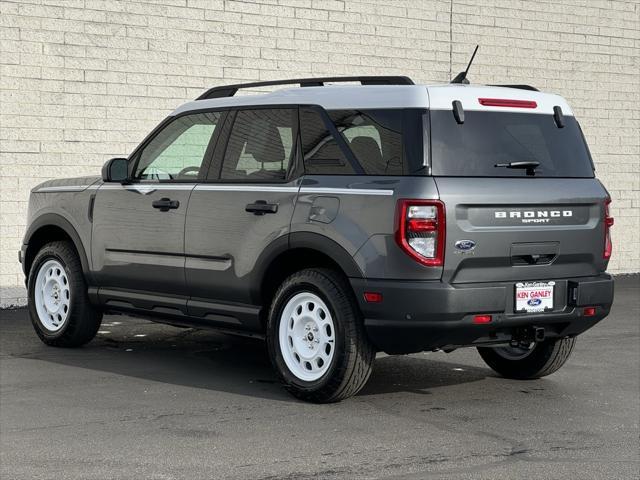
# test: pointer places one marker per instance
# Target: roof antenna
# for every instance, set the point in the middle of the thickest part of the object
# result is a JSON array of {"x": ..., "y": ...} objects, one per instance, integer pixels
[{"x": 462, "y": 76}]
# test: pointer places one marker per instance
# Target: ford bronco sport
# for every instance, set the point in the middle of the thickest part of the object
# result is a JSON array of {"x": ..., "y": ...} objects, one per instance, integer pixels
[{"x": 336, "y": 221}]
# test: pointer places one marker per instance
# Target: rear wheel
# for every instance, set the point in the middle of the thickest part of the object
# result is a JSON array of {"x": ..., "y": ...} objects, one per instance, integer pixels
[
  {"x": 58, "y": 302},
  {"x": 529, "y": 361},
  {"x": 316, "y": 339}
]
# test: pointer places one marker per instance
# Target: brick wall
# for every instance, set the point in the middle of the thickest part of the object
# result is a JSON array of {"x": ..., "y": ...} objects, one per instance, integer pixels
[{"x": 84, "y": 80}]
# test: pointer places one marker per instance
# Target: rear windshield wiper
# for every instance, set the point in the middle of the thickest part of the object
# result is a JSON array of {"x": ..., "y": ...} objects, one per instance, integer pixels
[{"x": 530, "y": 166}]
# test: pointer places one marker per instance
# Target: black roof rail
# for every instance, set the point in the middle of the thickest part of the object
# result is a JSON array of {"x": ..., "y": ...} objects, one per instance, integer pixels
[
  {"x": 519, "y": 87},
  {"x": 230, "y": 90}
]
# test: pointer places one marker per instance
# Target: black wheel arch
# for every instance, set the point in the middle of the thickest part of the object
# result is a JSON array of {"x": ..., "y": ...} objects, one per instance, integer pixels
[
  {"x": 49, "y": 227},
  {"x": 297, "y": 251}
]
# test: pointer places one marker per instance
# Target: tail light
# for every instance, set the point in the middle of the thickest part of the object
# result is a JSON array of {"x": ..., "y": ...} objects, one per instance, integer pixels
[
  {"x": 420, "y": 230},
  {"x": 608, "y": 222}
]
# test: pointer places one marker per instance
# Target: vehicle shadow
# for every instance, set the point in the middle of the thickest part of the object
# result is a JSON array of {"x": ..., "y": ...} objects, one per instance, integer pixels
[
  {"x": 213, "y": 361},
  {"x": 418, "y": 374}
]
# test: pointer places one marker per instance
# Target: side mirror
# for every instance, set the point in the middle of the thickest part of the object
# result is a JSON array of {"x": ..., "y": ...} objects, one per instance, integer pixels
[{"x": 116, "y": 170}]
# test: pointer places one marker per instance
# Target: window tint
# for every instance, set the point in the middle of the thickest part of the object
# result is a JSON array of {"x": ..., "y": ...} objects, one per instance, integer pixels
[
  {"x": 322, "y": 155},
  {"x": 261, "y": 145},
  {"x": 375, "y": 138},
  {"x": 177, "y": 152},
  {"x": 487, "y": 138}
]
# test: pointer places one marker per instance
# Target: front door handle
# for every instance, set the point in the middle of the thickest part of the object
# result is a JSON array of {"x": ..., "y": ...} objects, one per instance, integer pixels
[
  {"x": 260, "y": 207},
  {"x": 165, "y": 204}
]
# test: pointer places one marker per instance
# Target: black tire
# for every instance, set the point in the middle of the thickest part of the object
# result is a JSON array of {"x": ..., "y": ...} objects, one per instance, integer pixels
[
  {"x": 545, "y": 358},
  {"x": 354, "y": 355},
  {"x": 83, "y": 320}
]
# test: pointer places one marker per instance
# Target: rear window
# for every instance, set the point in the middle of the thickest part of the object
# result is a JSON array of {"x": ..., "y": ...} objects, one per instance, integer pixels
[{"x": 472, "y": 149}]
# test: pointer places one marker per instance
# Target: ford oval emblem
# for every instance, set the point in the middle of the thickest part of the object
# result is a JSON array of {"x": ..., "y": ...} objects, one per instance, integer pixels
[
  {"x": 465, "y": 245},
  {"x": 534, "y": 302}
]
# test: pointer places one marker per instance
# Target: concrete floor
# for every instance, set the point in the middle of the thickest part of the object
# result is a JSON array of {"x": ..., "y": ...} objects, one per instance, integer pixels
[{"x": 150, "y": 401}]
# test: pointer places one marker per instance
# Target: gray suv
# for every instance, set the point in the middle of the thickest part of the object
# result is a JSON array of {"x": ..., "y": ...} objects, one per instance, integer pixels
[{"x": 336, "y": 221}]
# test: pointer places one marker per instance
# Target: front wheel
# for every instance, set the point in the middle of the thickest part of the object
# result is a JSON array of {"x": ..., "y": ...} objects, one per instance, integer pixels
[
  {"x": 316, "y": 339},
  {"x": 528, "y": 362},
  {"x": 59, "y": 306}
]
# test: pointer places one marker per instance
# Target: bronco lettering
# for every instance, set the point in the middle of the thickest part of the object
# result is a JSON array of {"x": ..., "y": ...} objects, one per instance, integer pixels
[{"x": 534, "y": 214}]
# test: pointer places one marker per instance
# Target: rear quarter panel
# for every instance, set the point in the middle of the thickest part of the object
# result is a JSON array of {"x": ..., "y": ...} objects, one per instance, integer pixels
[{"x": 364, "y": 220}]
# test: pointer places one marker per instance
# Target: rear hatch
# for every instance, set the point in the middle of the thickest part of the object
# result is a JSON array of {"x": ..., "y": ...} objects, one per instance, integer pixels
[{"x": 543, "y": 222}]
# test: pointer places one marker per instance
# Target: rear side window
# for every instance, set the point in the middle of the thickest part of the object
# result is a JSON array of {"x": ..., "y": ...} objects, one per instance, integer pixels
[
  {"x": 488, "y": 138},
  {"x": 261, "y": 145},
  {"x": 374, "y": 137},
  {"x": 321, "y": 153}
]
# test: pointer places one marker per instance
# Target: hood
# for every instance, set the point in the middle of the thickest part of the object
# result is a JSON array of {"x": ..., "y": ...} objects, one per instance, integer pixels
[{"x": 77, "y": 184}]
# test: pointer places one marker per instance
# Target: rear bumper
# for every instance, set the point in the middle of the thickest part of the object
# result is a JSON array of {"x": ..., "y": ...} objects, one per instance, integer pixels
[{"x": 418, "y": 316}]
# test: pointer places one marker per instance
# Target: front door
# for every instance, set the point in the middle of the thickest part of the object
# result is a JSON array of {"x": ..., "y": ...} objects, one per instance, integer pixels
[
  {"x": 243, "y": 208},
  {"x": 138, "y": 228}
]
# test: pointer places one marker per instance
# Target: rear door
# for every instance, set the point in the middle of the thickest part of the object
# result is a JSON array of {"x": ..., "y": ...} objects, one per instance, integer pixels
[
  {"x": 138, "y": 228},
  {"x": 243, "y": 208},
  {"x": 510, "y": 224}
]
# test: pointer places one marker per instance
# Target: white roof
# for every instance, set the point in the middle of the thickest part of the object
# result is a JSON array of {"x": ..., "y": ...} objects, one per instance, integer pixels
[
  {"x": 436, "y": 97},
  {"x": 441, "y": 96}
]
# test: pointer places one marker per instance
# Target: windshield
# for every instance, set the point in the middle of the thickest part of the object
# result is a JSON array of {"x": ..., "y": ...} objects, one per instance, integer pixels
[{"x": 473, "y": 149}]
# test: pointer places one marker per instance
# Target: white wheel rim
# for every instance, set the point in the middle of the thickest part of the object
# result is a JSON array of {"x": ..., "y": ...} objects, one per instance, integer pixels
[
  {"x": 52, "y": 295},
  {"x": 307, "y": 336}
]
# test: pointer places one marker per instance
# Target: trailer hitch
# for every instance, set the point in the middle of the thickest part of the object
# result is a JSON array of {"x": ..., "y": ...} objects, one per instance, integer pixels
[
  {"x": 524, "y": 337},
  {"x": 539, "y": 334}
]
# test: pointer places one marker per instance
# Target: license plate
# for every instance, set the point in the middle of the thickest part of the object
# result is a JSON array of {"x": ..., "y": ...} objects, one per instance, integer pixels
[{"x": 534, "y": 296}]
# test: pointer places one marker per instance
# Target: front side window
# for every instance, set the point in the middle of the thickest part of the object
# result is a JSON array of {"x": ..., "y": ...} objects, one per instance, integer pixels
[
  {"x": 178, "y": 151},
  {"x": 261, "y": 145}
]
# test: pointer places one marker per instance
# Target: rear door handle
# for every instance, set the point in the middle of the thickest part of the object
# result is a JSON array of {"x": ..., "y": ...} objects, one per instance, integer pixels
[
  {"x": 165, "y": 204},
  {"x": 260, "y": 207}
]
